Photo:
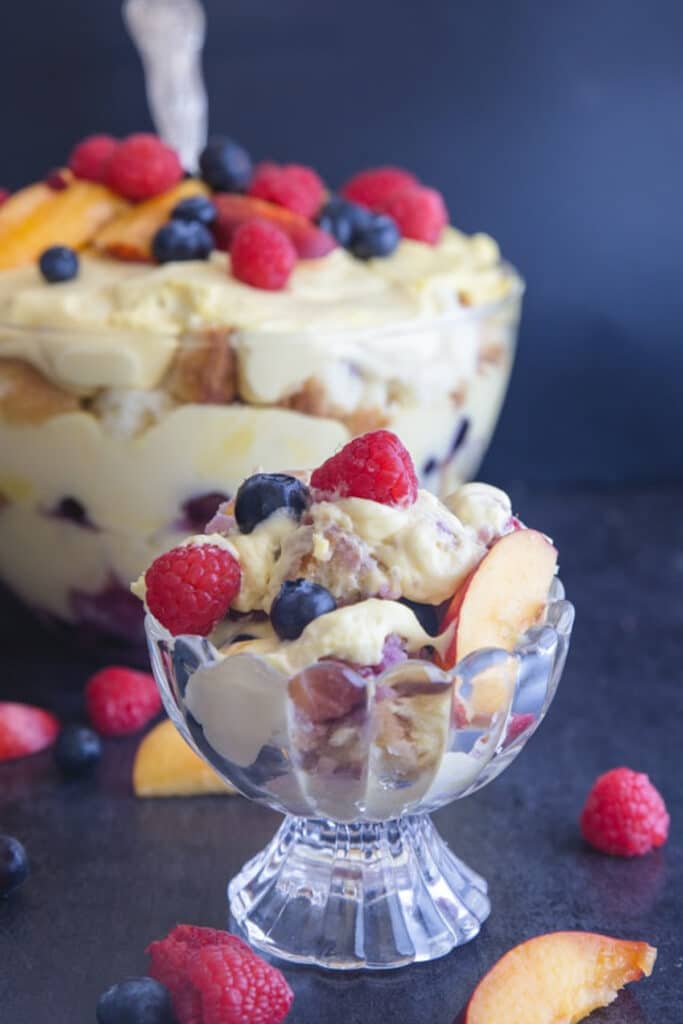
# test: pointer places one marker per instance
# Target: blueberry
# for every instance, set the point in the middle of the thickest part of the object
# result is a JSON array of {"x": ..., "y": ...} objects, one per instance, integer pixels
[
  {"x": 14, "y": 866},
  {"x": 182, "y": 240},
  {"x": 58, "y": 263},
  {"x": 135, "y": 1001},
  {"x": 225, "y": 165},
  {"x": 426, "y": 615},
  {"x": 195, "y": 208},
  {"x": 297, "y": 604},
  {"x": 343, "y": 219},
  {"x": 77, "y": 750},
  {"x": 378, "y": 238},
  {"x": 261, "y": 495}
]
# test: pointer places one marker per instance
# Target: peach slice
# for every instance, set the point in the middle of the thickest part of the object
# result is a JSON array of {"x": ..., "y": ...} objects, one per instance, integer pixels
[
  {"x": 129, "y": 237},
  {"x": 557, "y": 979},
  {"x": 503, "y": 596},
  {"x": 70, "y": 217},
  {"x": 21, "y": 205},
  {"x": 166, "y": 766},
  {"x": 309, "y": 240}
]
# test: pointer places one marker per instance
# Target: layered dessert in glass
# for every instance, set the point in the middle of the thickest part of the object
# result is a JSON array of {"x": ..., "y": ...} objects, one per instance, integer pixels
[{"x": 145, "y": 370}]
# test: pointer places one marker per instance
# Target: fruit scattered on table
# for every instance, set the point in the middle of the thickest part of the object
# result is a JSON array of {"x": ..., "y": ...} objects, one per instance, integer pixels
[
  {"x": 25, "y": 730},
  {"x": 559, "y": 977},
  {"x": 165, "y": 765},
  {"x": 14, "y": 865},
  {"x": 121, "y": 701},
  {"x": 77, "y": 751},
  {"x": 215, "y": 978},
  {"x": 624, "y": 814},
  {"x": 190, "y": 588},
  {"x": 375, "y": 466},
  {"x": 136, "y": 1001},
  {"x": 261, "y": 255},
  {"x": 58, "y": 263}
]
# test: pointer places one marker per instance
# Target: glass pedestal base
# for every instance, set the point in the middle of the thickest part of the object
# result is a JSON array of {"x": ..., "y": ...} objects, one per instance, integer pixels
[{"x": 373, "y": 895}]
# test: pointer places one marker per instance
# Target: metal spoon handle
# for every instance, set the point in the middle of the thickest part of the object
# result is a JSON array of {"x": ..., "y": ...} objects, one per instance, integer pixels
[{"x": 169, "y": 36}]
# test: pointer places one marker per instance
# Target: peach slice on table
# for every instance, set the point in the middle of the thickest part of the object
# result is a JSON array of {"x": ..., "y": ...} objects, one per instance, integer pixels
[
  {"x": 557, "y": 979},
  {"x": 503, "y": 597},
  {"x": 129, "y": 237},
  {"x": 70, "y": 217},
  {"x": 166, "y": 766},
  {"x": 310, "y": 241}
]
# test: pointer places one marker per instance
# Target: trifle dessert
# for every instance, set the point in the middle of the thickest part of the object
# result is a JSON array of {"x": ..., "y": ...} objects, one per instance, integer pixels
[
  {"x": 161, "y": 334},
  {"x": 338, "y": 604}
]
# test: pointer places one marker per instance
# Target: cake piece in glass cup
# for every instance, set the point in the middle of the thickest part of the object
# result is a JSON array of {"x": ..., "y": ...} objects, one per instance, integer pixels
[{"x": 347, "y": 648}]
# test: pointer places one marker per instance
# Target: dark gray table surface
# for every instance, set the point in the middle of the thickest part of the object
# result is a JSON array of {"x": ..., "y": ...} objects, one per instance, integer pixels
[{"x": 111, "y": 873}]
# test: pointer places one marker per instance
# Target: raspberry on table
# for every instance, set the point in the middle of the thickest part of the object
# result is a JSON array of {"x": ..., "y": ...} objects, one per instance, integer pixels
[
  {"x": 262, "y": 256},
  {"x": 142, "y": 166},
  {"x": 190, "y": 588},
  {"x": 375, "y": 466},
  {"x": 624, "y": 814},
  {"x": 420, "y": 213},
  {"x": 370, "y": 188},
  {"x": 120, "y": 701},
  {"x": 90, "y": 158},
  {"x": 25, "y": 730},
  {"x": 237, "y": 987},
  {"x": 294, "y": 186}
]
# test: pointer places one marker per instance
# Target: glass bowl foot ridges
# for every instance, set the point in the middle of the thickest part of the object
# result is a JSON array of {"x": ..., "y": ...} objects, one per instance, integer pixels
[{"x": 349, "y": 896}]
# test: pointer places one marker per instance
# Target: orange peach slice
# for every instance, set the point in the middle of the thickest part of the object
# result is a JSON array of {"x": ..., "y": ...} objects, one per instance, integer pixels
[
  {"x": 70, "y": 217},
  {"x": 129, "y": 237},
  {"x": 166, "y": 766},
  {"x": 557, "y": 979},
  {"x": 307, "y": 238},
  {"x": 503, "y": 596},
  {"x": 20, "y": 205}
]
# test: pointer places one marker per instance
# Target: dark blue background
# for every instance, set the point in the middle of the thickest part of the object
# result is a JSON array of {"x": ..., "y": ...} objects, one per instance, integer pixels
[{"x": 559, "y": 131}]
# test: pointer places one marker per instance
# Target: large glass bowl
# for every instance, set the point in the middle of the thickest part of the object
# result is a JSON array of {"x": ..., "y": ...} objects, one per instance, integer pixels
[
  {"x": 357, "y": 876},
  {"x": 98, "y": 479}
]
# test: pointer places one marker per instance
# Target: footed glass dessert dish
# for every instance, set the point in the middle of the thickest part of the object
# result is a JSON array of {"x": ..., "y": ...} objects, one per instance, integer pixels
[{"x": 357, "y": 876}]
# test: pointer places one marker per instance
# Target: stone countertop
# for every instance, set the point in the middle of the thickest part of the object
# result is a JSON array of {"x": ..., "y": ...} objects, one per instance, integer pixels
[{"x": 111, "y": 873}]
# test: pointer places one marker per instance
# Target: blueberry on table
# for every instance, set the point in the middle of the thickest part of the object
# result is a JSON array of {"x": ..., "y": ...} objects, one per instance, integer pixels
[
  {"x": 14, "y": 866},
  {"x": 135, "y": 1001},
  {"x": 182, "y": 240},
  {"x": 225, "y": 166},
  {"x": 264, "y": 493},
  {"x": 297, "y": 604},
  {"x": 377, "y": 239},
  {"x": 58, "y": 263},
  {"x": 195, "y": 208},
  {"x": 77, "y": 751}
]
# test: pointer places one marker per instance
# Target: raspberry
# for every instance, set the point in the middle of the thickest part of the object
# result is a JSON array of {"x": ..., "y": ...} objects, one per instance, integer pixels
[
  {"x": 120, "y": 701},
  {"x": 190, "y": 588},
  {"x": 143, "y": 166},
  {"x": 58, "y": 179},
  {"x": 293, "y": 186},
  {"x": 624, "y": 814},
  {"x": 370, "y": 188},
  {"x": 4, "y": 195},
  {"x": 419, "y": 212},
  {"x": 261, "y": 255},
  {"x": 90, "y": 159},
  {"x": 25, "y": 730},
  {"x": 375, "y": 466},
  {"x": 237, "y": 987},
  {"x": 215, "y": 977}
]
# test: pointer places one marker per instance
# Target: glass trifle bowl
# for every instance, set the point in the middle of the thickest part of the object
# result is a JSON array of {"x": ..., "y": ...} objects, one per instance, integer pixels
[
  {"x": 117, "y": 440},
  {"x": 357, "y": 876}
]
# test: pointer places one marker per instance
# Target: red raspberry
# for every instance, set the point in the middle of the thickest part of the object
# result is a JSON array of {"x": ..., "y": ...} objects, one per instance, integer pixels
[
  {"x": 370, "y": 188},
  {"x": 190, "y": 588},
  {"x": 261, "y": 255},
  {"x": 237, "y": 987},
  {"x": 90, "y": 159},
  {"x": 25, "y": 730},
  {"x": 58, "y": 179},
  {"x": 375, "y": 466},
  {"x": 419, "y": 212},
  {"x": 624, "y": 814},
  {"x": 4, "y": 195},
  {"x": 169, "y": 960},
  {"x": 120, "y": 701},
  {"x": 143, "y": 166},
  {"x": 293, "y": 186}
]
